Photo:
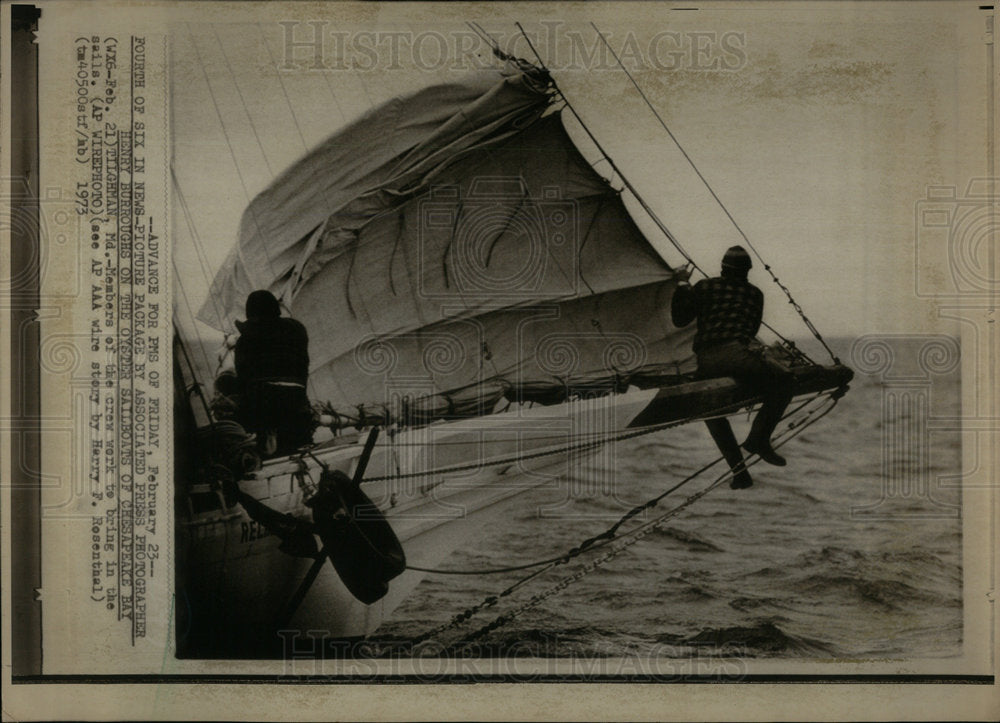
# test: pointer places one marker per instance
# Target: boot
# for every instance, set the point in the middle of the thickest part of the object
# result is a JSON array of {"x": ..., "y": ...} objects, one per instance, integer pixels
[
  {"x": 759, "y": 440},
  {"x": 741, "y": 479},
  {"x": 764, "y": 450}
]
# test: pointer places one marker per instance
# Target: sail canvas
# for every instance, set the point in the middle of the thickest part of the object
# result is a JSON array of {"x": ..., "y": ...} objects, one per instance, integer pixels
[{"x": 488, "y": 248}]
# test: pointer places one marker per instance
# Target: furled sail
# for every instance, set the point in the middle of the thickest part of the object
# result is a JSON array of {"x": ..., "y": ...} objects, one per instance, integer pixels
[
  {"x": 367, "y": 164},
  {"x": 452, "y": 240}
]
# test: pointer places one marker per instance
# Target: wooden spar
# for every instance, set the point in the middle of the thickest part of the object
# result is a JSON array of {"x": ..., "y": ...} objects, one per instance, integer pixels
[{"x": 722, "y": 396}]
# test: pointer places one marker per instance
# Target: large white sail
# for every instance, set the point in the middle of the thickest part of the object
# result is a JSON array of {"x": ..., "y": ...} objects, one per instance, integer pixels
[{"x": 452, "y": 238}]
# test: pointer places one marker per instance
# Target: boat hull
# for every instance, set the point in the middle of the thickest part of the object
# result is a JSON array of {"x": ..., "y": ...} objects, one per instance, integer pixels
[
  {"x": 234, "y": 581},
  {"x": 437, "y": 486}
]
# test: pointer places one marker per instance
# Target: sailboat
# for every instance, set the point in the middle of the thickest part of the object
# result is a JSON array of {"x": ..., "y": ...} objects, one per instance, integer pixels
[{"x": 483, "y": 313}]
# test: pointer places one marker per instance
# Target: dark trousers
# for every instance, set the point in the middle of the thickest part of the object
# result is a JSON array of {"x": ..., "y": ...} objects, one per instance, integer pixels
[
  {"x": 750, "y": 365},
  {"x": 278, "y": 414}
]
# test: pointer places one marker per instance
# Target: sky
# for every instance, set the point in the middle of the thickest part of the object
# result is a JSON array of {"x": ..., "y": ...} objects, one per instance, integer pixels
[{"x": 820, "y": 126}]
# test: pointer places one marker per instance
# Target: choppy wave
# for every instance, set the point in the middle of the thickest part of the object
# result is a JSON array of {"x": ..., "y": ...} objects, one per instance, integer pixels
[
  {"x": 691, "y": 540},
  {"x": 810, "y": 562},
  {"x": 762, "y": 638}
]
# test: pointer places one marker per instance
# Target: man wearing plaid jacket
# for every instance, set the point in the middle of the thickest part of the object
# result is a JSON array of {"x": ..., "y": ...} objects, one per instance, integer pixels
[{"x": 729, "y": 310}]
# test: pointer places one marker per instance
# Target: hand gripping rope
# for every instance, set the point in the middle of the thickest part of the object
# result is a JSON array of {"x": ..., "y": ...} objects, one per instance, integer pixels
[{"x": 648, "y": 209}]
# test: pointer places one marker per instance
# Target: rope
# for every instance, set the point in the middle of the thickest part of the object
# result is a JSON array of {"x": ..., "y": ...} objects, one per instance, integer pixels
[
  {"x": 609, "y": 536},
  {"x": 652, "y": 214},
  {"x": 628, "y": 184},
  {"x": 632, "y": 537},
  {"x": 594, "y": 542},
  {"x": 483, "y": 35},
  {"x": 718, "y": 200},
  {"x": 596, "y": 441},
  {"x": 196, "y": 385}
]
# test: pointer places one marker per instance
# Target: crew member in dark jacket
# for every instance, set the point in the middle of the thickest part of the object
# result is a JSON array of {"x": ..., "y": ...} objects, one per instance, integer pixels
[
  {"x": 729, "y": 310},
  {"x": 272, "y": 366}
]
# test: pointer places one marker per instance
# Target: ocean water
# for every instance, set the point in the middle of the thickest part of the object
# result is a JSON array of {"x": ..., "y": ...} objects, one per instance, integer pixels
[{"x": 794, "y": 567}]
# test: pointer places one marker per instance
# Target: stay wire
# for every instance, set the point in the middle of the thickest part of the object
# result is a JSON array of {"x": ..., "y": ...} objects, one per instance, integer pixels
[
  {"x": 634, "y": 191},
  {"x": 628, "y": 184},
  {"x": 595, "y": 440},
  {"x": 656, "y": 219},
  {"x": 544, "y": 565},
  {"x": 591, "y": 543},
  {"x": 609, "y": 536},
  {"x": 196, "y": 385},
  {"x": 630, "y": 539},
  {"x": 812, "y": 328},
  {"x": 483, "y": 35}
]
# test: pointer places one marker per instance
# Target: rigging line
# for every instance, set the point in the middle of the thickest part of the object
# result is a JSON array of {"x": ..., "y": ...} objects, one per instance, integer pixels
[
  {"x": 333, "y": 94},
  {"x": 492, "y": 600},
  {"x": 628, "y": 184},
  {"x": 590, "y": 439},
  {"x": 718, "y": 200},
  {"x": 194, "y": 323},
  {"x": 690, "y": 260},
  {"x": 483, "y": 35},
  {"x": 368, "y": 97},
  {"x": 629, "y": 538},
  {"x": 586, "y": 237},
  {"x": 649, "y": 211},
  {"x": 610, "y": 534},
  {"x": 791, "y": 344},
  {"x": 595, "y": 564},
  {"x": 194, "y": 376},
  {"x": 631, "y": 188},
  {"x": 284, "y": 91},
  {"x": 638, "y": 535},
  {"x": 199, "y": 250},
  {"x": 591, "y": 543},
  {"x": 229, "y": 144},
  {"x": 516, "y": 458},
  {"x": 239, "y": 93}
]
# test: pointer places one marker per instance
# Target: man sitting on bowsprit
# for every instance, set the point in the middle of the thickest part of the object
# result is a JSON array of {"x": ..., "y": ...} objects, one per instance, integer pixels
[
  {"x": 729, "y": 310},
  {"x": 272, "y": 366}
]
